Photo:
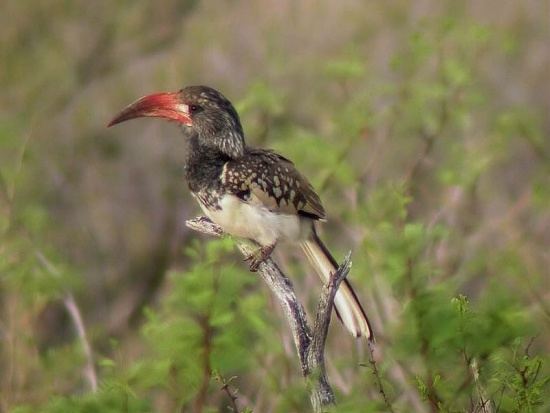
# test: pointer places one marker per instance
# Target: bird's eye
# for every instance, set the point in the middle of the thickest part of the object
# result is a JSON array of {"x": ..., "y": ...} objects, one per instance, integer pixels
[{"x": 194, "y": 108}]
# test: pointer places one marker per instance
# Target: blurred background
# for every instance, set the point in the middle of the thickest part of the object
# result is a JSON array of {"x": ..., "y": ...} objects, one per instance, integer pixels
[{"x": 424, "y": 127}]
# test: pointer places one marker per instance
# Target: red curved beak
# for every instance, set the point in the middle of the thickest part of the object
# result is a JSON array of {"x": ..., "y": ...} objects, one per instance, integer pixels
[{"x": 158, "y": 105}]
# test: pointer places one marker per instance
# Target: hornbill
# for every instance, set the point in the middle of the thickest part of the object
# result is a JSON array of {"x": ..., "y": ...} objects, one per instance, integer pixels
[{"x": 249, "y": 192}]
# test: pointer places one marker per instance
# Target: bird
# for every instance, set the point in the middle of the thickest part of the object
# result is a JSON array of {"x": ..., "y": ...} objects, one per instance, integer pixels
[{"x": 251, "y": 193}]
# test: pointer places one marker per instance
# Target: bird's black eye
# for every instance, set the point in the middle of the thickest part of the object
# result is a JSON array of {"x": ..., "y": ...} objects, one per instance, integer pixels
[{"x": 194, "y": 108}]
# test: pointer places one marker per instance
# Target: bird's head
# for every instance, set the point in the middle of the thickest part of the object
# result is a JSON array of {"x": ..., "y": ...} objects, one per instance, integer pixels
[{"x": 209, "y": 114}]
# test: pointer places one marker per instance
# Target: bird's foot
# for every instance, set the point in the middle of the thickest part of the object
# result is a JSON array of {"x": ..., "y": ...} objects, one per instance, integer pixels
[{"x": 259, "y": 256}]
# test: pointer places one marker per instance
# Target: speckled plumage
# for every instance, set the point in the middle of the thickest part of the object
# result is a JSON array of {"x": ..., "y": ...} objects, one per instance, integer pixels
[
  {"x": 259, "y": 194},
  {"x": 259, "y": 175},
  {"x": 251, "y": 193},
  {"x": 274, "y": 181},
  {"x": 220, "y": 163}
]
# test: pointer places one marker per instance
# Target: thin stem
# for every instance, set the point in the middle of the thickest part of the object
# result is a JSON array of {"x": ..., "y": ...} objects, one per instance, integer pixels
[
  {"x": 323, "y": 395},
  {"x": 310, "y": 345},
  {"x": 226, "y": 388},
  {"x": 76, "y": 318},
  {"x": 378, "y": 378}
]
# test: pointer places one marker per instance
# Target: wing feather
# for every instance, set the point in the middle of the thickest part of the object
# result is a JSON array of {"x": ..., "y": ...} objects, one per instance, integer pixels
[{"x": 266, "y": 178}]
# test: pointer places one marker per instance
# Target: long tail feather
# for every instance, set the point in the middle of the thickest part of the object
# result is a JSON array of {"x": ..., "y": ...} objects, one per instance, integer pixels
[{"x": 348, "y": 308}]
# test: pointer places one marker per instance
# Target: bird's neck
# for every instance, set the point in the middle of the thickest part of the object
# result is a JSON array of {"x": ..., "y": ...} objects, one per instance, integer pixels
[
  {"x": 204, "y": 164},
  {"x": 227, "y": 141}
]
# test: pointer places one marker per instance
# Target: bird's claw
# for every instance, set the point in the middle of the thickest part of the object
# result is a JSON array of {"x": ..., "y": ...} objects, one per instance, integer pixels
[
  {"x": 253, "y": 262},
  {"x": 259, "y": 256}
]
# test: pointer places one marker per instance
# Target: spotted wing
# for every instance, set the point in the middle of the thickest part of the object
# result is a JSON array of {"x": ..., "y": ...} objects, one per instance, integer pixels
[{"x": 268, "y": 179}]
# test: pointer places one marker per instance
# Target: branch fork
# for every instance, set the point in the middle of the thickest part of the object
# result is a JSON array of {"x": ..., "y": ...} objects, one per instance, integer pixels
[{"x": 310, "y": 343}]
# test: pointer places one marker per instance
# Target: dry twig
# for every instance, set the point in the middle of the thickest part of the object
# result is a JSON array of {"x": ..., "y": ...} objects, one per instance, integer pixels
[
  {"x": 378, "y": 378},
  {"x": 231, "y": 394},
  {"x": 76, "y": 318},
  {"x": 310, "y": 345}
]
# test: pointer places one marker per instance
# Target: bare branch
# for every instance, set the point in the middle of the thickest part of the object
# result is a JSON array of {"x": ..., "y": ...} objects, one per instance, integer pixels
[
  {"x": 323, "y": 395},
  {"x": 484, "y": 401},
  {"x": 204, "y": 225},
  {"x": 326, "y": 301},
  {"x": 231, "y": 394},
  {"x": 309, "y": 346},
  {"x": 277, "y": 282},
  {"x": 378, "y": 378},
  {"x": 76, "y": 317}
]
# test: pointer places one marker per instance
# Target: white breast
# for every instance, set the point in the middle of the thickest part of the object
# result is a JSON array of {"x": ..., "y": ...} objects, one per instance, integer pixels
[{"x": 256, "y": 222}]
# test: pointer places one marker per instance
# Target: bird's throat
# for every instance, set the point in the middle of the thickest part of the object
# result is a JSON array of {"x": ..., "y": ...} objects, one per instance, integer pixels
[{"x": 204, "y": 165}]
